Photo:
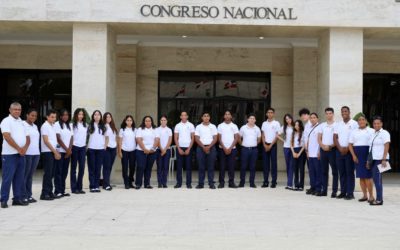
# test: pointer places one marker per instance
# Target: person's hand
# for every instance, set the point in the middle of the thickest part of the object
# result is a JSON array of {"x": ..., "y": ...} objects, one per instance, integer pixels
[
  {"x": 228, "y": 151},
  {"x": 319, "y": 156},
  {"x": 187, "y": 151},
  {"x": 163, "y": 152},
  {"x": 384, "y": 163},
  {"x": 146, "y": 152},
  {"x": 295, "y": 155},
  {"x": 57, "y": 155},
  {"x": 206, "y": 149},
  {"x": 120, "y": 154},
  {"x": 355, "y": 159},
  {"x": 68, "y": 153},
  {"x": 180, "y": 151},
  {"x": 267, "y": 148},
  {"x": 21, "y": 151}
]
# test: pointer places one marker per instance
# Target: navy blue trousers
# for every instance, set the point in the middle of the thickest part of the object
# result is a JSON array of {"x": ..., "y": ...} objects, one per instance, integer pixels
[
  {"x": 227, "y": 161},
  {"x": 12, "y": 174},
  {"x": 329, "y": 158},
  {"x": 315, "y": 172},
  {"x": 109, "y": 158},
  {"x": 187, "y": 161},
  {"x": 78, "y": 156},
  {"x": 61, "y": 173},
  {"x": 144, "y": 167},
  {"x": 270, "y": 164},
  {"x": 298, "y": 169},
  {"x": 128, "y": 162},
  {"x": 248, "y": 159},
  {"x": 49, "y": 166},
  {"x": 162, "y": 167},
  {"x": 31, "y": 163},
  {"x": 345, "y": 167},
  {"x": 206, "y": 161},
  {"x": 95, "y": 161},
  {"x": 377, "y": 177}
]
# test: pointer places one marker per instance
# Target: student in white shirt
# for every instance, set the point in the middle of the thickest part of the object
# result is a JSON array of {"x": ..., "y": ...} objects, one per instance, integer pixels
[
  {"x": 80, "y": 132},
  {"x": 297, "y": 150},
  {"x": 15, "y": 144},
  {"x": 164, "y": 152},
  {"x": 206, "y": 137},
  {"x": 250, "y": 138},
  {"x": 270, "y": 130},
  {"x": 285, "y": 135},
  {"x": 184, "y": 139},
  {"x": 359, "y": 147},
  {"x": 32, "y": 156},
  {"x": 328, "y": 152},
  {"x": 228, "y": 137},
  {"x": 49, "y": 154},
  {"x": 65, "y": 140},
  {"x": 313, "y": 156},
  {"x": 111, "y": 149},
  {"x": 344, "y": 161},
  {"x": 127, "y": 150},
  {"x": 379, "y": 149},
  {"x": 98, "y": 141},
  {"x": 304, "y": 115},
  {"x": 147, "y": 140}
]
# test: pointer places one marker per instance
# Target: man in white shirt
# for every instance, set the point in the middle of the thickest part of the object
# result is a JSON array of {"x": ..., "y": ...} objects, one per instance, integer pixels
[
  {"x": 184, "y": 139},
  {"x": 328, "y": 152},
  {"x": 228, "y": 136},
  {"x": 15, "y": 144},
  {"x": 344, "y": 160},
  {"x": 270, "y": 129},
  {"x": 49, "y": 155},
  {"x": 304, "y": 115},
  {"x": 206, "y": 138}
]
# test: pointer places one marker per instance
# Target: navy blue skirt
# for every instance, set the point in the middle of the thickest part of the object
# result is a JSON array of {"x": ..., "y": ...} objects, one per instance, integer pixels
[{"x": 361, "y": 168}]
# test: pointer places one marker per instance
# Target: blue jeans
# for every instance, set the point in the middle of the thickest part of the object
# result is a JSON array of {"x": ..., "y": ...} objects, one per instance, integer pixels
[
  {"x": 78, "y": 156},
  {"x": 270, "y": 164},
  {"x": 315, "y": 172},
  {"x": 287, "y": 153},
  {"x": 187, "y": 161},
  {"x": 31, "y": 163},
  {"x": 144, "y": 167},
  {"x": 345, "y": 167},
  {"x": 49, "y": 165},
  {"x": 248, "y": 158},
  {"x": 60, "y": 174},
  {"x": 298, "y": 169},
  {"x": 95, "y": 161},
  {"x": 377, "y": 177},
  {"x": 206, "y": 161},
  {"x": 163, "y": 166},
  {"x": 227, "y": 160},
  {"x": 109, "y": 158},
  {"x": 128, "y": 162},
  {"x": 13, "y": 174},
  {"x": 328, "y": 158}
]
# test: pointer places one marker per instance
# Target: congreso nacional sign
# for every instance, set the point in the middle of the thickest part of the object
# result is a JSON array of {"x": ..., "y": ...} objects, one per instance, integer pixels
[{"x": 225, "y": 12}]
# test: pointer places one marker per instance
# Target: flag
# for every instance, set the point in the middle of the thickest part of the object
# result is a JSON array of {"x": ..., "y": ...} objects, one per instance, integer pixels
[
  {"x": 181, "y": 91},
  {"x": 199, "y": 84},
  {"x": 264, "y": 92},
  {"x": 230, "y": 84}
]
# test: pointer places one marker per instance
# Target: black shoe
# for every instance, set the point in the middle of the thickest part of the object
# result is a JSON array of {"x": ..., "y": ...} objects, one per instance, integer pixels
[
  {"x": 75, "y": 192},
  {"x": 189, "y": 186},
  {"x": 320, "y": 194},
  {"x": 31, "y": 200},
  {"x": 309, "y": 191},
  {"x": 177, "y": 186},
  {"x": 253, "y": 185},
  {"x": 333, "y": 195},
  {"x": 108, "y": 188},
  {"x": 241, "y": 185},
  {"x": 363, "y": 199},
  {"x": 199, "y": 186},
  {"x": 131, "y": 185},
  {"x": 301, "y": 189},
  {"x": 221, "y": 185},
  {"x": 165, "y": 186},
  {"x": 349, "y": 197},
  {"x": 289, "y": 188},
  {"x": 376, "y": 203},
  {"x": 20, "y": 203},
  {"x": 340, "y": 196},
  {"x": 58, "y": 196},
  {"x": 46, "y": 198},
  {"x": 137, "y": 187},
  {"x": 127, "y": 187},
  {"x": 212, "y": 186},
  {"x": 159, "y": 185},
  {"x": 82, "y": 192},
  {"x": 66, "y": 194},
  {"x": 4, "y": 205},
  {"x": 265, "y": 185},
  {"x": 273, "y": 185},
  {"x": 92, "y": 190},
  {"x": 232, "y": 185},
  {"x": 148, "y": 187}
]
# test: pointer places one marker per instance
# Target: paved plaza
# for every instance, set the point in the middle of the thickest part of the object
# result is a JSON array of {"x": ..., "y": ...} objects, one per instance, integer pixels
[{"x": 203, "y": 219}]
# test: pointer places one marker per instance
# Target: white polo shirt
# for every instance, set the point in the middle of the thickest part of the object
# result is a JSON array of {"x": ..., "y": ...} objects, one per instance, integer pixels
[
  {"x": 128, "y": 136},
  {"x": 377, "y": 144},
  {"x": 327, "y": 131},
  {"x": 184, "y": 130},
  {"x": 80, "y": 134},
  {"x": 271, "y": 130},
  {"x": 34, "y": 136},
  {"x": 250, "y": 135},
  {"x": 65, "y": 135},
  {"x": 112, "y": 137},
  {"x": 148, "y": 135},
  {"x": 343, "y": 130},
  {"x": 17, "y": 131},
  {"x": 165, "y": 133},
  {"x": 97, "y": 140},
  {"x": 296, "y": 143},
  {"x": 288, "y": 136},
  {"x": 49, "y": 130},
  {"x": 361, "y": 137},
  {"x": 312, "y": 138},
  {"x": 227, "y": 132},
  {"x": 307, "y": 126},
  {"x": 206, "y": 133}
]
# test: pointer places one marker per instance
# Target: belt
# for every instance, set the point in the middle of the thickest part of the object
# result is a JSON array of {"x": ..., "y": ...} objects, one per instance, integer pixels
[{"x": 250, "y": 148}]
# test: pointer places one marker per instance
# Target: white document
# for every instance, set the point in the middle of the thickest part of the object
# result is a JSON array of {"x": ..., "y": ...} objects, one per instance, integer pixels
[{"x": 384, "y": 169}]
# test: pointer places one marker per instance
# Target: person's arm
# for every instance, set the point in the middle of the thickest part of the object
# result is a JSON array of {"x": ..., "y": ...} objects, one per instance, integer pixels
[
  {"x": 46, "y": 141},
  {"x": 119, "y": 146},
  {"x": 353, "y": 154},
  {"x": 139, "y": 141},
  {"x": 220, "y": 142},
  {"x": 27, "y": 143},
  {"x": 60, "y": 142},
  {"x": 337, "y": 144},
  {"x": 235, "y": 140},
  {"x": 168, "y": 143},
  {"x": 198, "y": 142},
  {"x": 214, "y": 141},
  {"x": 176, "y": 139},
  {"x": 385, "y": 153},
  {"x": 12, "y": 143},
  {"x": 155, "y": 144}
]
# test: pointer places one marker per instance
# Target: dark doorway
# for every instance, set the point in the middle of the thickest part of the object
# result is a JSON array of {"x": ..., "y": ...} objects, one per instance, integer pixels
[{"x": 382, "y": 97}]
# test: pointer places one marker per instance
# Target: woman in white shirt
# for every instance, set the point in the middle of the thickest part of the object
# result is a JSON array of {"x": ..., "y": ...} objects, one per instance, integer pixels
[
  {"x": 379, "y": 150},
  {"x": 250, "y": 138},
  {"x": 111, "y": 149},
  {"x": 359, "y": 147},
  {"x": 147, "y": 140},
  {"x": 64, "y": 139},
  {"x": 297, "y": 148},
  {"x": 285, "y": 136},
  {"x": 127, "y": 150},
  {"x": 98, "y": 141},
  {"x": 164, "y": 152},
  {"x": 32, "y": 156},
  {"x": 80, "y": 131}
]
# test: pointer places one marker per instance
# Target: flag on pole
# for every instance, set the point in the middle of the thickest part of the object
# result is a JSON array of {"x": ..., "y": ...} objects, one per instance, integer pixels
[
  {"x": 181, "y": 91},
  {"x": 230, "y": 84}
]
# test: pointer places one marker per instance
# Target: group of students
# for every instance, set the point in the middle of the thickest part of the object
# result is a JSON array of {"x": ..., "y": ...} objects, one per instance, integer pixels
[{"x": 344, "y": 146}]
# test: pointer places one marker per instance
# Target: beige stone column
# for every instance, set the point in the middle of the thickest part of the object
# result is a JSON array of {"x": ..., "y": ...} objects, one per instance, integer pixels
[{"x": 340, "y": 80}]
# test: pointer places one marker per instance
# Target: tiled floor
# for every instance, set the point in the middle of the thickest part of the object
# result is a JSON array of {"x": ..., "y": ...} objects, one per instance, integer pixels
[{"x": 203, "y": 219}]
